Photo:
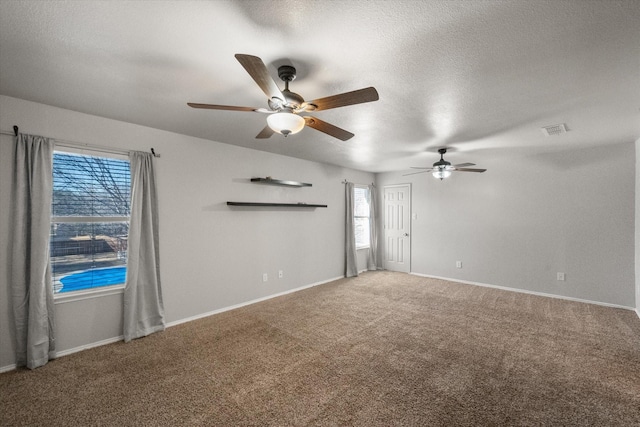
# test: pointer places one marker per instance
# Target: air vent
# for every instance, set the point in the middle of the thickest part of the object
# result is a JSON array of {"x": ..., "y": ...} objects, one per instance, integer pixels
[{"x": 554, "y": 129}]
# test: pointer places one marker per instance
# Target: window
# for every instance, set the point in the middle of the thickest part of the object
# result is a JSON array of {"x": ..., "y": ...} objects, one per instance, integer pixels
[
  {"x": 361, "y": 216},
  {"x": 90, "y": 221}
]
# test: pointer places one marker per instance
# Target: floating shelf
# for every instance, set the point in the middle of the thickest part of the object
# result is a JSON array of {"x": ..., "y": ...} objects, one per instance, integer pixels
[
  {"x": 271, "y": 181},
  {"x": 287, "y": 205}
]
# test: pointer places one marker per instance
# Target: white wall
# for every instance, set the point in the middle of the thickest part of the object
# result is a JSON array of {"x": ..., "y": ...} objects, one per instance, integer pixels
[
  {"x": 212, "y": 256},
  {"x": 529, "y": 217}
]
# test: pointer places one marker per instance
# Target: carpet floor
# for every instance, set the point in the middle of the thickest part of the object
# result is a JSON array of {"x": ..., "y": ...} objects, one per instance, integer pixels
[{"x": 382, "y": 349}]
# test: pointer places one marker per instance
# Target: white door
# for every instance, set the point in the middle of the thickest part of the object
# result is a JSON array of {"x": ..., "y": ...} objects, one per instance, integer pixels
[{"x": 397, "y": 228}]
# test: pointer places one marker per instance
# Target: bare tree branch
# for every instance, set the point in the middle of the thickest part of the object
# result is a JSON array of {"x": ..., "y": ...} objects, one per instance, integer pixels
[{"x": 87, "y": 185}]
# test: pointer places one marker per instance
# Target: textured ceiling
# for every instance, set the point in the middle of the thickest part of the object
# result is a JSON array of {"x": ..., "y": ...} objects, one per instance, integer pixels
[{"x": 479, "y": 77}]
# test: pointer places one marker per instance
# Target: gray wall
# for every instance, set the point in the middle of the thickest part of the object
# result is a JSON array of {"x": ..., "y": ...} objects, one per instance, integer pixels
[
  {"x": 212, "y": 256},
  {"x": 529, "y": 217},
  {"x": 515, "y": 225}
]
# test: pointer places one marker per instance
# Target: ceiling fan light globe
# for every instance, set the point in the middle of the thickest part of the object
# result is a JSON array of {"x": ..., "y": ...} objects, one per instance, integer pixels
[
  {"x": 285, "y": 123},
  {"x": 441, "y": 173}
]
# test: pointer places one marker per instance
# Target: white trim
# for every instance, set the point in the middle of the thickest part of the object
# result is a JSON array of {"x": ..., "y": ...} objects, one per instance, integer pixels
[
  {"x": 368, "y": 198},
  {"x": 84, "y": 149},
  {"x": 61, "y": 298},
  {"x": 8, "y": 368},
  {"x": 233, "y": 307},
  {"x": 410, "y": 185},
  {"x": 89, "y": 219},
  {"x": 221, "y": 310},
  {"x": 70, "y": 351},
  {"x": 638, "y": 312},
  {"x": 170, "y": 324},
  {"x": 396, "y": 185},
  {"x": 525, "y": 291},
  {"x": 88, "y": 346}
]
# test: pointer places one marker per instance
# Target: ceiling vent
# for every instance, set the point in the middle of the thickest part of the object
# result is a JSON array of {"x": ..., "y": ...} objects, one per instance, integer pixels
[{"x": 554, "y": 129}]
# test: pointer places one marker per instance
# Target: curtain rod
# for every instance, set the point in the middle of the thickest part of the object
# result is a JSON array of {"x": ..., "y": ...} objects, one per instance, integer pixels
[
  {"x": 344, "y": 181},
  {"x": 81, "y": 145}
]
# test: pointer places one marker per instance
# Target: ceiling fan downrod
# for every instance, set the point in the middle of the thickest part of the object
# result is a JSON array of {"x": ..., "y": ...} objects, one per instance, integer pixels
[{"x": 287, "y": 73}]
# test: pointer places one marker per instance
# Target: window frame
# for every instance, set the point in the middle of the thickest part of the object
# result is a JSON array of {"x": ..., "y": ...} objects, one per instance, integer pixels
[
  {"x": 367, "y": 217},
  {"x": 106, "y": 290}
]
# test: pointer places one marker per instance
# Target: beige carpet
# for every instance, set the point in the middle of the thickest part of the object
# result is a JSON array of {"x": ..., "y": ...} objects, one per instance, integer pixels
[{"x": 382, "y": 349}]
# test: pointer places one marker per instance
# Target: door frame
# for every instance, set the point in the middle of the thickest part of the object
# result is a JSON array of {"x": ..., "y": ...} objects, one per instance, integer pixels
[{"x": 410, "y": 216}]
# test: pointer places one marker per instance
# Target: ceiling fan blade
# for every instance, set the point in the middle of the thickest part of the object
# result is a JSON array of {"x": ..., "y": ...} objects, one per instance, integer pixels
[
  {"x": 265, "y": 133},
  {"x": 348, "y": 98},
  {"x": 415, "y": 173},
  {"x": 416, "y": 167},
  {"x": 464, "y": 165},
  {"x": 225, "y": 107},
  {"x": 469, "y": 170},
  {"x": 258, "y": 71},
  {"x": 328, "y": 128}
]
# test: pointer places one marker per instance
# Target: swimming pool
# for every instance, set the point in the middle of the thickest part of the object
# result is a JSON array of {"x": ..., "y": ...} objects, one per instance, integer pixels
[{"x": 93, "y": 278}]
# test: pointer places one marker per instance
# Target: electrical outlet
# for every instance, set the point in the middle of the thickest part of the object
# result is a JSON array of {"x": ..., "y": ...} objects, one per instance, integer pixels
[
  {"x": 265, "y": 277},
  {"x": 458, "y": 264},
  {"x": 560, "y": 277},
  {"x": 280, "y": 274}
]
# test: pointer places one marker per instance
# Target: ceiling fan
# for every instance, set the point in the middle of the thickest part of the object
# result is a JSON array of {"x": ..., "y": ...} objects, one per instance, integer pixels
[
  {"x": 285, "y": 106},
  {"x": 442, "y": 168}
]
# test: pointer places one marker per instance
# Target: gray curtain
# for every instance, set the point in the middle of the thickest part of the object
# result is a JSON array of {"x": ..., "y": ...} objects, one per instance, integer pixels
[
  {"x": 143, "y": 307},
  {"x": 351, "y": 267},
  {"x": 372, "y": 261},
  {"x": 31, "y": 289}
]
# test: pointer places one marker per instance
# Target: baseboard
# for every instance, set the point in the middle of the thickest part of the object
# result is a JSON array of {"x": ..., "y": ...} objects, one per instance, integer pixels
[
  {"x": 88, "y": 346},
  {"x": 233, "y": 307},
  {"x": 71, "y": 351},
  {"x": 525, "y": 291},
  {"x": 8, "y": 368},
  {"x": 178, "y": 322},
  {"x": 221, "y": 310},
  {"x": 638, "y": 312}
]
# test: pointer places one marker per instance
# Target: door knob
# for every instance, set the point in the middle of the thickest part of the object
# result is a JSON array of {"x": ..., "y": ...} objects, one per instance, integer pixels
[{"x": 406, "y": 234}]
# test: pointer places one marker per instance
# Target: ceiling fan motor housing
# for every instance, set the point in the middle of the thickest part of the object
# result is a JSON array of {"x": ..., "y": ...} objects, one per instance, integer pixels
[
  {"x": 293, "y": 99},
  {"x": 287, "y": 74},
  {"x": 442, "y": 163}
]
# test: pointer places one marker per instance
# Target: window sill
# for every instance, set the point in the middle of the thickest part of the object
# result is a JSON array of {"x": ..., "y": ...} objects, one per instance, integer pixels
[
  {"x": 88, "y": 294},
  {"x": 361, "y": 247}
]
